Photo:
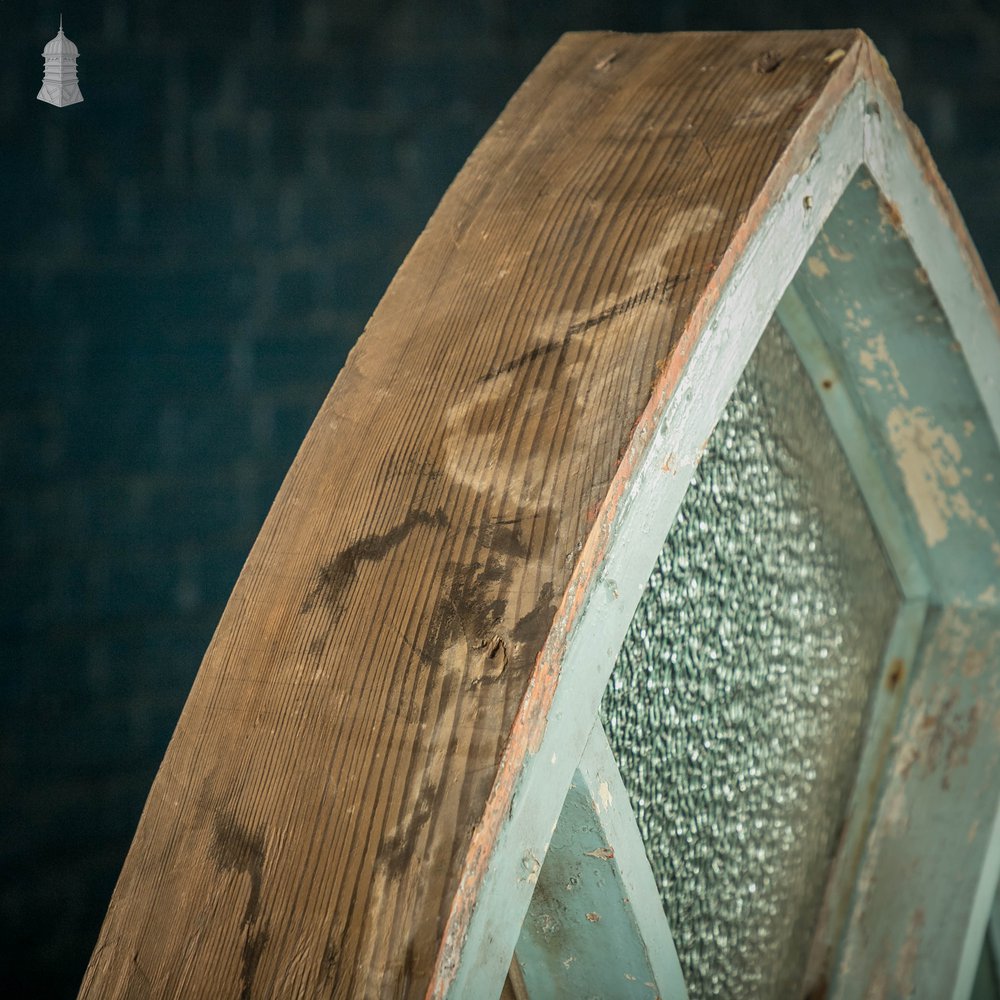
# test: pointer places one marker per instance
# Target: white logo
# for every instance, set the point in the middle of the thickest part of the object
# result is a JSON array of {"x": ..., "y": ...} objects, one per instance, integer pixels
[{"x": 59, "y": 86}]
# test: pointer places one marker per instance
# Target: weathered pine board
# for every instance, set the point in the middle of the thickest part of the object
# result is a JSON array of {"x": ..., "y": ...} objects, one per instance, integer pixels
[{"x": 336, "y": 773}]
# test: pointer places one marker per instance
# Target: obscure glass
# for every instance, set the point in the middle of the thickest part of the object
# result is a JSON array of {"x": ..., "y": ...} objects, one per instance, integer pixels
[{"x": 738, "y": 699}]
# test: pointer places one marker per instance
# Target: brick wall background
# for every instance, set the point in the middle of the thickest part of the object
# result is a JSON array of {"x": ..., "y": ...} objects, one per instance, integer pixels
[{"x": 185, "y": 259}]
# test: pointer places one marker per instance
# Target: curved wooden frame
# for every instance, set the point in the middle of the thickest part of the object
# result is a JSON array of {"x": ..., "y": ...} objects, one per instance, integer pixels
[{"x": 364, "y": 781}]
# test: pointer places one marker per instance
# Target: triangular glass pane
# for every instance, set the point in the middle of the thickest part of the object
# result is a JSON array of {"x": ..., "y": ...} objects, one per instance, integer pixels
[{"x": 738, "y": 701}]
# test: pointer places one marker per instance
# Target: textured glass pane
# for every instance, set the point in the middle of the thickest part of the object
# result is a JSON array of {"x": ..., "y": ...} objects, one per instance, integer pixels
[{"x": 738, "y": 699}]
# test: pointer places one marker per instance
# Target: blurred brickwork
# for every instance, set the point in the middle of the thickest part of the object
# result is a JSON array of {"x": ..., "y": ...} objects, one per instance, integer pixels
[{"x": 185, "y": 260}]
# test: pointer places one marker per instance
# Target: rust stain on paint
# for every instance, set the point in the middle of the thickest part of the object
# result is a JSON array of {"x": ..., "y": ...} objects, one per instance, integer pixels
[
  {"x": 889, "y": 217},
  {"x": 896, "y": 672}
]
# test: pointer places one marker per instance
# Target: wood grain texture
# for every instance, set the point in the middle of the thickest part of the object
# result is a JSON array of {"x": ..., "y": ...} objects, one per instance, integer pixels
[{"x": 315, "y": 813}]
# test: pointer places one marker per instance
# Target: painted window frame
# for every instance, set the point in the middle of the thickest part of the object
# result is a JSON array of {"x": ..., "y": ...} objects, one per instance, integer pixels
[{"x": 862, "y": 133}]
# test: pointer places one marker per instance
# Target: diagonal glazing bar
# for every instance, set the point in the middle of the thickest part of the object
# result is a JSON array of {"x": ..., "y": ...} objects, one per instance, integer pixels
[{"x": 596, "y": 926}]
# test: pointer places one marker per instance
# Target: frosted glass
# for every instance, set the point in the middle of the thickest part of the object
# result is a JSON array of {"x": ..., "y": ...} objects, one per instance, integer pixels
[{"x": 738, "y": 700}]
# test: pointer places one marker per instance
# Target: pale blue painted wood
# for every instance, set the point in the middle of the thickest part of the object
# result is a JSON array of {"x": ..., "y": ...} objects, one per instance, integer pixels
[
  {"x": 887, "y": 701},
  {"x": 986, "y": 985},
  {"x": 895, "y": 525},
  {"x": 898, "y": 365},
  {"x": 932, "y": 858},
  {"x": 917, "y": 430},
  {"x": 596, "y": 927}
]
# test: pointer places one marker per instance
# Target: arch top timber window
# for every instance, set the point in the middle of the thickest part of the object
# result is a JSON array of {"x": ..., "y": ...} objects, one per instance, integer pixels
[{"x": 629, "y": 622}]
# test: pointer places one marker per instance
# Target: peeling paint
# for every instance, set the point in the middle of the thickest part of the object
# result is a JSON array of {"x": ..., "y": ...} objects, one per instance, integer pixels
[
  {"x": 908, "y": 955},
  {"x": 928, "y": 458},
  {"x": 604, "y": 793},
  {"x": 875, "y": 358},
  {"x": 895, "y": 812},
  {"x": 532, "y": 866},
  {"x": 818, "y": 266},
  {"x": 844, "y": 256}
]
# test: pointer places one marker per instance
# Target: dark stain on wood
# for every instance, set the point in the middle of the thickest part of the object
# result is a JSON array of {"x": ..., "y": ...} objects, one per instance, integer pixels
[
  {"x": 235, "y": 848},
  {"x": 534, "y": 626},
  {"x": 395, "y": 851},
  {"x": 657, "y": 291},
  {"x": 331, "y": 960},
  {"x": 474, "y": 602},
  {"x": 539, "y": 351},
  {"x": 337, "y": 574},
  {"x": 253, "y": 948},
  {"x": 495, "y": 660}
]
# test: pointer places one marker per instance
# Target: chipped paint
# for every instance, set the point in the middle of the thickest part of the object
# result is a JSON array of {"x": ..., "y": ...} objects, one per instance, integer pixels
[
  {"x": 844, "y": 256},
  {"x": 581, "y": 911},
  {"x": 908, "y": 954},
  {"x": 928, "y": 458},
  {"x": 531, "y": 866},
  {"x": 604, "y": 793},
  {"x": 818, "y": 266},
  {"x": 875, "y": 358}
]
